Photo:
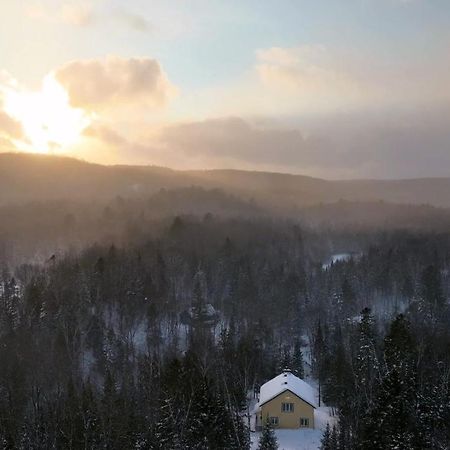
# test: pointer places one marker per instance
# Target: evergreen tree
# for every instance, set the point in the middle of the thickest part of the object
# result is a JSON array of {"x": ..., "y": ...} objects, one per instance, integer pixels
[
  {"x": 319, "y": 357},
  {"x": 297, "y": 360},
  {"x": 338, "y": 381},
  {"x": 71, "y": 421},
  {"x": 432, "y": 287},
  {"x": 285, "y": 362},
  {"x": 325, "y": 443},
  {"x": 334, "y": 439},
  {"x": 432, "y": 299},
  {"x": 348, "y": 298},
  {"x": 89, "y": 416},
  {"x": 390, "y": 423},
  {"x": 268, "y": 440},
  {"x": 241, "y": 437},
  {"x": 366, "y": 364},
  {"x": 167, "y": 428}
]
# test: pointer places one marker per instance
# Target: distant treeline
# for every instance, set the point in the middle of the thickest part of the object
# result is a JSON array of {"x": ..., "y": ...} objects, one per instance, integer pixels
[{"x": 34, "y": 231}]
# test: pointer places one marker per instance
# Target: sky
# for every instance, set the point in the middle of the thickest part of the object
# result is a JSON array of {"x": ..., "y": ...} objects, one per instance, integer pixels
[{"x": 330, "y": 88}]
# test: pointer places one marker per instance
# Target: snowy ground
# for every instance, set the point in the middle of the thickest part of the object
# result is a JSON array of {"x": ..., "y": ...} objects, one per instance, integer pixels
[
  {"x": 293, "y": 439},
  {"x": 301, "y": 439}
]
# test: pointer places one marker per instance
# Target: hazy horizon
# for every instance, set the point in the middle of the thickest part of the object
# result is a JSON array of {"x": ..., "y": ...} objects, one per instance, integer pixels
[{"x": 218, "y": 169}]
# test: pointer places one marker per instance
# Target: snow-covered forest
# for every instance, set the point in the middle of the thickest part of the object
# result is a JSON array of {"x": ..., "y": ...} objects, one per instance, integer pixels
[{"x": 160, "y": 341}]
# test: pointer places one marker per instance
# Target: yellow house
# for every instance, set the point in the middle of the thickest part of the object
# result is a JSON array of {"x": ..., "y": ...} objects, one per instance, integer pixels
[{"x": 287, "y": 401}]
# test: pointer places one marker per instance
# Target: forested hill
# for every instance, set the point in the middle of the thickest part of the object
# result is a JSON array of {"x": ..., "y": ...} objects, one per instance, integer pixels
[{"x": 25, "y": 177}]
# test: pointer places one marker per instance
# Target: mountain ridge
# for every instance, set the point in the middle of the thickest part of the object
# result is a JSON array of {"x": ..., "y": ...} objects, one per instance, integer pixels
[{"x": 28, "y": 177}]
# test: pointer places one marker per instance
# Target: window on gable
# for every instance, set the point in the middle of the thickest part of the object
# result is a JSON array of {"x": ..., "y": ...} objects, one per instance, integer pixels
[
  {"x": 287, "y": 407},
  {"x": 304, "y": 422}
]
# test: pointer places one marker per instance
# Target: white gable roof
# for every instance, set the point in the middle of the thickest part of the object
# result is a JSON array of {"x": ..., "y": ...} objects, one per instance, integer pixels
[{"x": 283, "y": 382}]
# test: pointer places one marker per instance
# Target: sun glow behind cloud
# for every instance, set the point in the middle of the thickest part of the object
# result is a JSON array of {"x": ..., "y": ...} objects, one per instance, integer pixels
[
  {"x": 320, "y": 91},
  {"x": 49, "y": 122}
]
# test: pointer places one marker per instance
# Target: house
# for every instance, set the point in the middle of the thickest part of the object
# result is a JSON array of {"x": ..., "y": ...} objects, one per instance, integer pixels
[{"x": 287, "y": 402}]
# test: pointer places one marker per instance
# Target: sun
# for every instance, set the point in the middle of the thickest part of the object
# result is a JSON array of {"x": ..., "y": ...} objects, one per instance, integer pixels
[{"x": 49, "y": 122}]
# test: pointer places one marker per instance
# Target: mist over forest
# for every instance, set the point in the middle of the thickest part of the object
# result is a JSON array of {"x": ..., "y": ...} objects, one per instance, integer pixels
[
  {"x": 50, "y": 205},
  {"x": 143, "y": 307}
]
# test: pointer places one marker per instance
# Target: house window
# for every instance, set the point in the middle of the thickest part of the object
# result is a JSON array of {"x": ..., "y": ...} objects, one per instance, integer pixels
[
  {"x": 274, "y": 421},
  {"x": 304, "y": 423},
  {"x": 287, "y": 407}
]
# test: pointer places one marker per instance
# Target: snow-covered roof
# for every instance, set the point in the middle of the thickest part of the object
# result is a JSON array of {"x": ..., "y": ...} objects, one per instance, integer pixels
[{"x": 283, "y": 382}]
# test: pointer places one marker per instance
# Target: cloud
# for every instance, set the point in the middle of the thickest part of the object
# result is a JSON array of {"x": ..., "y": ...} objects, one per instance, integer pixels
[
  {"x": 80, "y": 15},
  {"x": 313, "y": 74},
  {"x": 6, "y": 145},
  {"x": 215, "y": 143},
  {"x": 114, "y": 82},
  {"x": 235, "y": 139},
  {"x": 338, "y": 146},
  {"x": 115, "y": 148},
  {"x": 106, "y": 135},
  {"x": 307, "y": 79},
  {"x": 84, "y": 14},
  {"x": 132, "y": 20},
  {"x": 310, "y": 79},
  {"x": 235, "y": 142},
  {"x": 10, "y": 131},
  {"x": 348, "y": 145},
  {"x": 9, "y": 127}
]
